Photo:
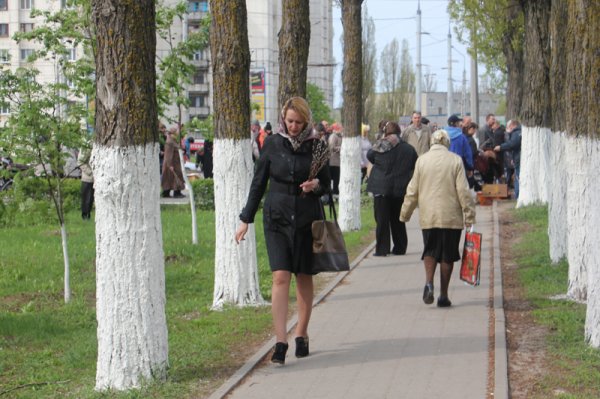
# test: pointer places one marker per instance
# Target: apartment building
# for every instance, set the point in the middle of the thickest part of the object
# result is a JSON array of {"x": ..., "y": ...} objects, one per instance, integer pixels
[{"x": 264, "y": 21}]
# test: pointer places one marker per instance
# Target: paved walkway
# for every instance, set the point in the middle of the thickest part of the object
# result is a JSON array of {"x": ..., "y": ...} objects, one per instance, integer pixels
[{"x": 372, "y": 336}]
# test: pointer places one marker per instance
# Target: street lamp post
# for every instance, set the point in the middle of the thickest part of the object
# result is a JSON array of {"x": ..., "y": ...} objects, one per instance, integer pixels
[{"x": 418, "y": 82}]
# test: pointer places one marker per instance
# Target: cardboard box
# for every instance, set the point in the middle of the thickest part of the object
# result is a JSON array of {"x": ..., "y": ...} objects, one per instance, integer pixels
[{"x": 495, "y": 190}]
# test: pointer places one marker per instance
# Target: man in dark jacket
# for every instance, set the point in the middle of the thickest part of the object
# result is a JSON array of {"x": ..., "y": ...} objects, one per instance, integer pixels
[
  {"x": 514, "y": 145},
  {"x": 393, "y": 162}
]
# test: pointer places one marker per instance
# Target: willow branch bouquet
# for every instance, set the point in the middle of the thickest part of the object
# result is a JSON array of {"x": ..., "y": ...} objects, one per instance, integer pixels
[{"x": 320, "y": 156}]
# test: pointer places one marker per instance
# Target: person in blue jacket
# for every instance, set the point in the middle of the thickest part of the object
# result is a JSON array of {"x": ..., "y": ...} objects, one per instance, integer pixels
[{"x": 459, "y": 144}]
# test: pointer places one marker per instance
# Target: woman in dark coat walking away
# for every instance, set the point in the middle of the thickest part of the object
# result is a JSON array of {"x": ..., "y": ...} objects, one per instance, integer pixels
[
  {"x": 292, "y": 204},
  {"x": 393, "y": 163}
]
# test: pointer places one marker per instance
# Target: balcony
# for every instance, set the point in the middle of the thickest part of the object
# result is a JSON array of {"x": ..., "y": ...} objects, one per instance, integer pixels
[
  {"x": 200, "y": 63},
  {"x": 199, "y": 87},
  {"x": 199, "y": 111}
]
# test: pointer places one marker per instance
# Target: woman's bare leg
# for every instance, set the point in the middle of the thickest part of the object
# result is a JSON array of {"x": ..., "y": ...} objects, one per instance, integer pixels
[
  {"x": 304, "y": 295},
  {"x": 279, "y": 303}
]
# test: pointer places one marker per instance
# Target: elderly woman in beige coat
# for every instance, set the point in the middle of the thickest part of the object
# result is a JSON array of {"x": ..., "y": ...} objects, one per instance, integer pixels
[{"x": 440, "y": 189}]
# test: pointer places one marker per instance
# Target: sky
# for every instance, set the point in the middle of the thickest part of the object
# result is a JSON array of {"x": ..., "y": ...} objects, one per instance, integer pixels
[{"x": 398, "y": 19}]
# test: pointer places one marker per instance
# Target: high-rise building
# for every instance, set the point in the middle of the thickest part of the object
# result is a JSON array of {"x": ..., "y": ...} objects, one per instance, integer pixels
[{"x": 264, "y": 22}]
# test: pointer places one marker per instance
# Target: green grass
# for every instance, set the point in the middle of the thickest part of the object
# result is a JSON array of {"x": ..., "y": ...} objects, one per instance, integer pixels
[
  {"x": 42, "y": 340},
  {"x": 577, "y": 365}
]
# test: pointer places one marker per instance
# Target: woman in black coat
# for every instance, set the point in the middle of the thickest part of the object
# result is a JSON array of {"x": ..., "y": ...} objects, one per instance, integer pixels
[
  {"x": 393, "y": 164},
  {"x": 292, "y": 204}
]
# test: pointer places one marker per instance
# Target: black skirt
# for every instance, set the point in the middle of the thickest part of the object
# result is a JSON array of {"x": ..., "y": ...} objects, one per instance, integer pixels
[
  {"x": 290, "y": 248},
  {"x": 442, "y": 244}
]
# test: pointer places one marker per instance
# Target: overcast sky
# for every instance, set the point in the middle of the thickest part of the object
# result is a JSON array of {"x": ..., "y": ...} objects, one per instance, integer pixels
[{"x": 398, "y": 19}]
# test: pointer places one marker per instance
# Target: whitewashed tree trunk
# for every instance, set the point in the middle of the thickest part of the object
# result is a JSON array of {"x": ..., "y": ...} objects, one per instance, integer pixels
[
  {"x": 557, "y": 204},
  {"x": 591, "y": 196},
  {"x": 579, "y": 238},
  {"x": 130, "y": 276},
  {"x": 236, "y": 271},
  {"x": 534, "y": 183},
  {"x": 349, "y": 213},
  {"x": 188, "y": 185},
  {"x": 65, "y": 248}
]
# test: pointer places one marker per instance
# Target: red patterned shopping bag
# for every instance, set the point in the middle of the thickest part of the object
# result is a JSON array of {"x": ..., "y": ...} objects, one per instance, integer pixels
[{"x": 471, "y": 259}]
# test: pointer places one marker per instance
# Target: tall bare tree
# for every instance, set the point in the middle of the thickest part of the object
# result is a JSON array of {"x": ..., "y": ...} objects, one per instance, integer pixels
[
  {"x": 406, "y": 82},
  {"x": 294, "y": 42},
  {"x": 236, "y": 272},
  {"x": 352, "y": 74},
  {"x": 390, "y": 76},
  {"x": 130, "y": 278},
  {"x": 369, "y": 55}
]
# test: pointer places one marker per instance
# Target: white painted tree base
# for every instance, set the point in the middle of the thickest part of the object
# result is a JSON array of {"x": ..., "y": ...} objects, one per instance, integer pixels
[
  {"x": 579, "y": 239},
  {"x": 130, "y": 276},
  {"x": 557, "y": 204},
  {"x": 236, "y": 271},
  {"x": 534, "y": 182},
  {"x": 67, "y": 275},
  {"x": 591, "y": 160},
  {"x": 349, "y": 200}
]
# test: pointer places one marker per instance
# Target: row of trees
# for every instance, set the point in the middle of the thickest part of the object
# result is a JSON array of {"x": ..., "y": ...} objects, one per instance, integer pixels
[{"x": 550, "y": 59}]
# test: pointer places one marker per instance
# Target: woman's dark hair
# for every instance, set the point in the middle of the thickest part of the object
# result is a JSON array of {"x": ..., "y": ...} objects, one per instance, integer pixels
[{"x": 391, "y": 128}]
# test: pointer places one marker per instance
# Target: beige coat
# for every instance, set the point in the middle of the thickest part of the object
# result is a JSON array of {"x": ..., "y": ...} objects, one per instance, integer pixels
[
  {"x": 419, "y": 143},
  {"x": 440, "y": 189},
  {"x": 83, "y": 159}
]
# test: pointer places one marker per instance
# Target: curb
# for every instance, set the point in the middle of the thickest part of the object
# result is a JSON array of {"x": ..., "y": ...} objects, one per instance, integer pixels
[
  {"x": 501, "y": 355},
  {"x": 264, "y": 350}
]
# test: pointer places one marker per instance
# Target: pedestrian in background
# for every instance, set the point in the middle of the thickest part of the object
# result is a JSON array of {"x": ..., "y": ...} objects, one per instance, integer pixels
[
  {"x": 291, "y": 205},
  {"x": 417, "y": 134},
  {"x": 365, "y": 146},
  {"x": 439, "y": 188},
  {"x": 335, "y": 146},
  {"x": 87, "y": 183},
  {"x": 514, "y": 145},
  {"x": 172, "y": 176},
  {"x": 393, "y": 163}
]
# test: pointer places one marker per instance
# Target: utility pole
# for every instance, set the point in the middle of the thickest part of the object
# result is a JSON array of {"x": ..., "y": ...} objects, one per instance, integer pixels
[
  {"x": 418, "y": 82},
  {"x": 449, "y": 73},
  {"x": 474, "y": 78}
]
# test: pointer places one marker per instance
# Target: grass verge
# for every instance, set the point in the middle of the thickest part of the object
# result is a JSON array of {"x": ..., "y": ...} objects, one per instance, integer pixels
[
  {"x": 49, "y": 349},
  {"x": 574, "y": 370}
]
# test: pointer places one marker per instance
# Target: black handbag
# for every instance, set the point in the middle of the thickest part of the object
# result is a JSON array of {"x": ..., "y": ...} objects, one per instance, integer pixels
[{"x": 329, "y": 248}]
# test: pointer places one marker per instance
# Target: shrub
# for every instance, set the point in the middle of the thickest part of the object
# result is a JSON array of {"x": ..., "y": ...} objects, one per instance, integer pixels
[{"x": 204, "y": 194}]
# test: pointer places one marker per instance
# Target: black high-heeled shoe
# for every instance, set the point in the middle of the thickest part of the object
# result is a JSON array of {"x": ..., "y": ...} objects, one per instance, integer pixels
[
  {"x": 301, "y": 346},
  {"x": 279, "y": 352}
]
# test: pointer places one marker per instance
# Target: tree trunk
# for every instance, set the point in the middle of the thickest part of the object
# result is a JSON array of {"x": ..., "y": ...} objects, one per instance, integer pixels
[
  {"x": 582, "y": 106},
  {"x": 353, "y": 110},
  {"x": 236, "y": 273},
  {"x": 294, "y": 42},
  {"x": 536, "y": 109},
  {"x": 130, "y": 278},
  {"x": 557, "y": 200},
  {"x": 512, "y": 46}
]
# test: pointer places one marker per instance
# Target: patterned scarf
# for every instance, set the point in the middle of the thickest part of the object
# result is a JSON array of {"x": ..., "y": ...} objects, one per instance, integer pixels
[{"x": 296, "y": 141}]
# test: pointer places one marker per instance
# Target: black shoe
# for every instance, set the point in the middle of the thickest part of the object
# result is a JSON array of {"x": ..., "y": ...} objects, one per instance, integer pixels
[
  {"x": 279, "y": 353},
  {"x": 376, "y": 254},
  {"x": 166, "y": 194},
  {"x": 301, "y": 346},
  {"x": 395, "y": 252},
  {"x": 428, "y": 294},
  {"x": 178, "y": 195},
  {"x": 443, "y": 302}
]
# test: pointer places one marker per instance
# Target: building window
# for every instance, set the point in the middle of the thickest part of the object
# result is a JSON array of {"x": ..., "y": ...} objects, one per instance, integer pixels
[
  {"x": 199, "y": 78},
  {"x": 3, "y": 5},
  {"x": 26, "y": 53},
  {"x": 4, "y": 56},
  {"x": 3, "y": 30},
  {"x": 197, "y": 100},
  {"x": 198, "y": 6},
  {"x": 4, "y": 109},
  {"x": 26, "y": 27},
  {"x": 200, "y": 55},
  {"x": 26, "y": 4}
]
